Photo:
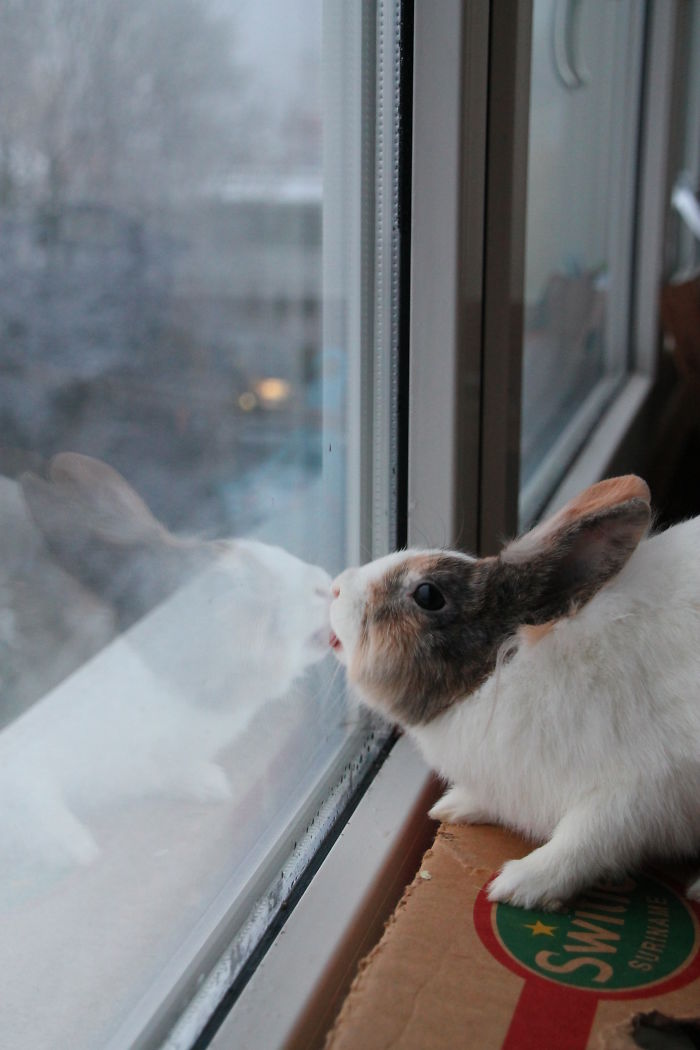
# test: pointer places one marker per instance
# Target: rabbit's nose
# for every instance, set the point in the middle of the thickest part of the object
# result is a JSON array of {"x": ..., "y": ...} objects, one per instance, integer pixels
[{"x": 343, "y": 581}]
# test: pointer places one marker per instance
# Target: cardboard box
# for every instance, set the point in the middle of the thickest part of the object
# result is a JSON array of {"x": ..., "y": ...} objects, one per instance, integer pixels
[{"x": 455, "y": 971}]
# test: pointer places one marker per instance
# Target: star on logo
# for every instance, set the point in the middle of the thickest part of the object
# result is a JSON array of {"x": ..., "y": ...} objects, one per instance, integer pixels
[{"x": 540, "y": 928}]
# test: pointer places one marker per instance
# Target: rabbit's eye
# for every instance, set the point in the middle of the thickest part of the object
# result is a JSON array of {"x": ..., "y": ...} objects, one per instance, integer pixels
[{"x": 427, "y": 596}]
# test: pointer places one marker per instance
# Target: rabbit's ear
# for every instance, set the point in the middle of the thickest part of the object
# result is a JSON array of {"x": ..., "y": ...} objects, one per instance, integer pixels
[
  {"x": 562, "y": 563},
  {"x": 85, "y": 495},
  {"x": 103, "y": 534}
]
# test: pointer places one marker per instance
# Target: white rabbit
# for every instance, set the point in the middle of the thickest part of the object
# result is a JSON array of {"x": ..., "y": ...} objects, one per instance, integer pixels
[
  {"x": 151, "y": 713},
  {"x": 556, "y": 687}
]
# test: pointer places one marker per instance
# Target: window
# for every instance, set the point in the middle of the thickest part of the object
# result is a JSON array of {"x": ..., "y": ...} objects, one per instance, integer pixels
[
  {"x": 284, "y": 285},
  {"x": 197, "y": 311},
  {"x": 583, "y": 140}
]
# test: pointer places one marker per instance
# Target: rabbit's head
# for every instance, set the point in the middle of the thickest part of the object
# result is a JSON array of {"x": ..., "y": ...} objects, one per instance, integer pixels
[
  {"x": 283, "y": 603},
  {"x": 101, "y": 532},
  {"x": 264, "y": 606},
  {"x": 420, "y": 630}
]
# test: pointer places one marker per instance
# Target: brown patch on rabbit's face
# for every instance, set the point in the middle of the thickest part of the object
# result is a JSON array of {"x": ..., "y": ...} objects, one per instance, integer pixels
[{"x": 414, "y": 662}]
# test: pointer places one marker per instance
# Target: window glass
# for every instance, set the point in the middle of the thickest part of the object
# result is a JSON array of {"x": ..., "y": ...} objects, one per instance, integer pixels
[
  {"x": 179, "y": 188},
  {"x": 584, "y": 119}
]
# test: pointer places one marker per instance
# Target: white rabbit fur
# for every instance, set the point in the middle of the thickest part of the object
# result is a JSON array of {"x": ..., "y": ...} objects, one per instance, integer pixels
[
  {"x": 151, "y": 713},
  {"x": 585, "y": 736}
]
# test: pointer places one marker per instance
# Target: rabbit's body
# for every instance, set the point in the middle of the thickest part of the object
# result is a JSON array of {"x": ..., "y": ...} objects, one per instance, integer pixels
[
  {"x": 91, "y": 745},
  {"x": 625, "y": 686},
  {"x": 585, "y": 732}
]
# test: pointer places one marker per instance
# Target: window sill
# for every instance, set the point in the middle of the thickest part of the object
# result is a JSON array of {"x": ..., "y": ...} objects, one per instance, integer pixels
[{"x": 293, "y": 995}]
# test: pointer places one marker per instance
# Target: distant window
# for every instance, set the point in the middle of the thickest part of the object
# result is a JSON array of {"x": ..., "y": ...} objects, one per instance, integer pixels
[{"x": 582, "y": 177}]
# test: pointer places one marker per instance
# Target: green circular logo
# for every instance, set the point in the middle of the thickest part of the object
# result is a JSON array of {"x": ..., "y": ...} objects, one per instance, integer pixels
[{"x": 616, "y": 937}]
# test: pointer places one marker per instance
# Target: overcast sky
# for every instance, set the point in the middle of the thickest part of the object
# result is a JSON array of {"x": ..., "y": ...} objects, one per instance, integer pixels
[{"x": 281, "y": 40}]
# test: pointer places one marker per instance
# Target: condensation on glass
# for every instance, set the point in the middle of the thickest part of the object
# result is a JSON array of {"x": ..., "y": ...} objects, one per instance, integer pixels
[
  {"x": 582, "y": 180},
  {"x": 177, "y": 219}
]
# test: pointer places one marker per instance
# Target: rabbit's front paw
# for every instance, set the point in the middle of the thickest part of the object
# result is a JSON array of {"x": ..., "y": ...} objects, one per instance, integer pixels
[
  {"x": 526, "y": 883},
  {"x": 458, "y": 806},
  {"x": 693, "y": 891}
]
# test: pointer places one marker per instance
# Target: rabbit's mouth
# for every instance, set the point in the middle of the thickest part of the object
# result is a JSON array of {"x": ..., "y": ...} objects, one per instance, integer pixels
[{"x": 335, "y": 642}]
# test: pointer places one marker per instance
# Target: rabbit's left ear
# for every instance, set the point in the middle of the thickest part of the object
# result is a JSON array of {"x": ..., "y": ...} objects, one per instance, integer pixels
[{"x": 563, "y": 562}]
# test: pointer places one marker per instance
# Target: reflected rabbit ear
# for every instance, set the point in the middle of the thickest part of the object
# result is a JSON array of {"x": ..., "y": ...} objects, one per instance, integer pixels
[
  {"x": 562, "y": 563},
  {"x": 86, "y": 495},
  {"x": 103, "y": 534}
]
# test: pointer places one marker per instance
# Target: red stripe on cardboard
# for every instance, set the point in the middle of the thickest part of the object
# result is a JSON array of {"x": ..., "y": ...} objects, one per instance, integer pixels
[{"x": 550, "y": 1018}]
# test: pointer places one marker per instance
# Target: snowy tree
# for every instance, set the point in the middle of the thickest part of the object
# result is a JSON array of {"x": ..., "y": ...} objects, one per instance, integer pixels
[{"x": 118, "y": 100}]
